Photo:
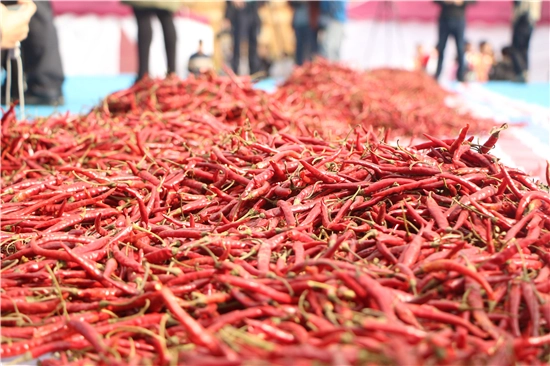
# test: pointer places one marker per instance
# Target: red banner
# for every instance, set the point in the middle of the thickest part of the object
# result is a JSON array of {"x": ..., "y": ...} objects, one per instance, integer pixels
[
  {"x": 106, "y": 8},
  {"x": 495, "y": 12}
]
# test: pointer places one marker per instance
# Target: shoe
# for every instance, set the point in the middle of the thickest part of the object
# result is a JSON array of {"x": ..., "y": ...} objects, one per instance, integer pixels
[
  {"x": 520, "y": 79},
  {"x": 47, "y": 100},
  {"x": 525, "y": 76}
]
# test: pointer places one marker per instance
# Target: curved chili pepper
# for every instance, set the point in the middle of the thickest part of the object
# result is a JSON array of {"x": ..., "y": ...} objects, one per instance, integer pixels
[{"x": 492, "y": 140}]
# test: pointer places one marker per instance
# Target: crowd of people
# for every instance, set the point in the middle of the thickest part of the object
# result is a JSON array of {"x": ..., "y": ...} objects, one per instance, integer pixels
[
  {"x": 318, "y": 26},
  {"x": 482, "y": 65}
]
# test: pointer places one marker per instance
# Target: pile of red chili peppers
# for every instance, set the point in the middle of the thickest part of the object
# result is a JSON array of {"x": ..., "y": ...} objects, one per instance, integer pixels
[
  {"x": 408, "y": 103},
  {"x": 319, "y": 97},
  {"x": 150, "y": 232},
  {"x": 231, "y": 100}
]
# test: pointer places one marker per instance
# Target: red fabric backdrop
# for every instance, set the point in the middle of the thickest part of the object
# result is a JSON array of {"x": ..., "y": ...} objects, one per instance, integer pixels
[
  {"x": 496, "y": 12},
  {"x": 107, "y": 7}
]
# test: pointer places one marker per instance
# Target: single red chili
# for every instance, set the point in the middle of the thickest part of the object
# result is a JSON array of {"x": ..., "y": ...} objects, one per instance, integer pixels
[
  {"x": 125, "y": 260},
  {"x": 257, "y": 287},
  {"x": 450, "y": 265},
  {"x": 492, "y": 140},
  {"x": 197, "y": 333}
]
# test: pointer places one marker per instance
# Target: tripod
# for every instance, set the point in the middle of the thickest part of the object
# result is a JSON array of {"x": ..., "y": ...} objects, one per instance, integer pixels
[{"x": 386, "y": 12}]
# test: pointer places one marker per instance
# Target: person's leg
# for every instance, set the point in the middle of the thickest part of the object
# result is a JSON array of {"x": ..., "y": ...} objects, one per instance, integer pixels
[
  {"x": 42, "y": 58},
  {"x": 441, "y": 44},
  {"x": 236, "y": 31},
  {"x": 517, "y": 63},
  {"x": 517, "y": 57},
  {"x": 314, "y": 42},
  {"x": 521, "y": 36},
  {"x": 166, "y": 19},
  {"x": 528, "y": 33},
  {"x": 309, "y": 43},
  {"x": 253, "y": 58},
  {"x": 458, "y": 30},
  {"x": 145, "y": 37},
  {"x": 310, "y": 46},
  {"x": 299, "y": 54},
  {"x": 525, "y": 57},
  {"x": 516, "y": 32}
]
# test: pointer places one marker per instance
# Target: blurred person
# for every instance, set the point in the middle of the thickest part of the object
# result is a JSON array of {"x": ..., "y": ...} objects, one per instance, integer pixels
[
  {"x": 486, "y": 49},
  {"x": 200, "y": 62},
  {"x": 42, "y": 67},
  {"x": 470, "y": 59},
  {"x": 314, "y": 8},
  {"x": 225, "y": 43},
  {"x": 431, "y": 67},
  {"x": 244, "y": 20},
  {"x": 485, "y": 61},
  {"x": 304, "y": 33},
  {"x": 526, "y": 15},
  {"x": 14, "y": 24},
  {"x": 164, "y": 11},
  {"x": 265, "y": 58},
  {"x": 504, "y": 69},
  {"x": 452, "y": 21},
  {"x": 421, "y": 58},
  {"x": 334, "y": 15}
]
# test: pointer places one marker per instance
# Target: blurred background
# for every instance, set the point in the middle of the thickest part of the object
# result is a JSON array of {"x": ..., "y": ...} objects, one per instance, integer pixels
[
  {"x": 84, "y": 50},
  {"x": 99, "y": 37}
]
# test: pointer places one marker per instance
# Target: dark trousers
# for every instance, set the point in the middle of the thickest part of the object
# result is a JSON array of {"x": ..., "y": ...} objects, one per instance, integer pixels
[
  {"x": 41, "y": 57},
  {"x": 306, "y": 43},
  {"x": 521, "y": 37},
  {"x": 451, "y": 27},
  {"x": 145, "y": 37},
  {"x": 245, "y": 24}
]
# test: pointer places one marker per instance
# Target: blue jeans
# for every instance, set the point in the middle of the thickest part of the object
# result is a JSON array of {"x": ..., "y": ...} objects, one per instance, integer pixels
[
  {"x": 306, "y": 43},
  {"x": 521, "y": 37},
  {"x": 451, "y": 27},
  {"x": 245, "y": 24}
]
